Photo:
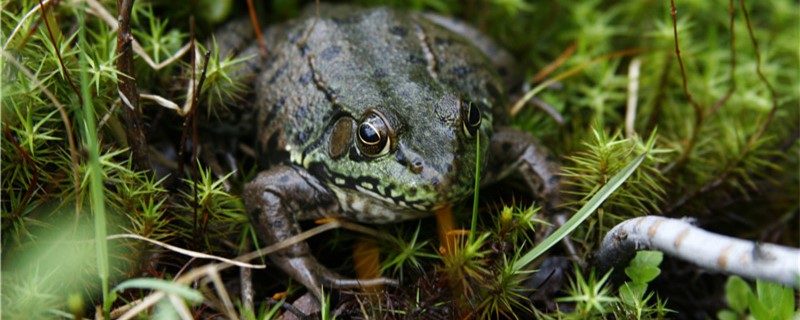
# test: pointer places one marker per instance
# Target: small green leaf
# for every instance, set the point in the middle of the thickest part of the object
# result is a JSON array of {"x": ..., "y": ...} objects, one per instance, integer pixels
[
  {"x": 642, "y": 275},
  {"x": 632, "y": 293},
  {"x": 737, "y": 291},
  {"x": 757, "y": 309},
  {"x": 644, "y": 267},
  {"x": 647, "y": 258},
  {"x": 162, "y": 285},
  {"x": 777, "y": 299},
  {"x": 786, "y": 307},
  {"x": 727, "y": 315}
]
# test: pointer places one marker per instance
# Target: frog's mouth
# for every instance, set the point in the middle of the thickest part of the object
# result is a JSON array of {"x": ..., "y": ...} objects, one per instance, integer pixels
[{"x": 425, "y": 198}]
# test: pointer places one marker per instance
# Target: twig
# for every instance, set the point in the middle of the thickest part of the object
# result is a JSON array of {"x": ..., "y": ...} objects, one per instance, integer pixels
[
  {"x": 698, "y": 110},
  {"x": 633, "y": 91},
  {"x": 530, "y": 94},
  {"x": 246, "y": 291},
  {"x": 128, "y": 91},
  {"x": 773, "y": 95},
  {"x": 257, "y": 28},
  {"x": 708, "y": 250},
  {"x": 556, "y": 63},
  {"x": 98, "y": 10},
  {"x": 222, "y": 293},
  {"x": 751, "y": 142},
  {"x": 209, "y": 269},
  {"x": 186, "y": 252}
]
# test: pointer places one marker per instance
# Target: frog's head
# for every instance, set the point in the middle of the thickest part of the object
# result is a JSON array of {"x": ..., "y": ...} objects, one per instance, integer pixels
[{"x": 419, "y": 158}]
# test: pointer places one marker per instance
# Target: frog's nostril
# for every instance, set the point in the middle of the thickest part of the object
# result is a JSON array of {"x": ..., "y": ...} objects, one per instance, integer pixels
[{"x": 416, "y": 166}]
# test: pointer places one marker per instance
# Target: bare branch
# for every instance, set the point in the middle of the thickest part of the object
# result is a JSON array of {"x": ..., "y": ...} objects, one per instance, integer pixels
[
  {"x": 633, "y": 94},
  {"x": 712, "y": 251},
  {"x": 128, "y": 91}
]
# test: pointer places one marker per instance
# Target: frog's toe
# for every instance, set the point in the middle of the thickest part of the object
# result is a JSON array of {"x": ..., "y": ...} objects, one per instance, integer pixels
[{"x": 314, "y": 276}]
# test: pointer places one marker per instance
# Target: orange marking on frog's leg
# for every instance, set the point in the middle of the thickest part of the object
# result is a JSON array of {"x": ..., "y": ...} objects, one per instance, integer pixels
[
  {"x": 366, "y": 256},
  {"x": 445, "y": 224},
  {"x": 326, "y": 220},
  {"x": 279, "y": 295}
]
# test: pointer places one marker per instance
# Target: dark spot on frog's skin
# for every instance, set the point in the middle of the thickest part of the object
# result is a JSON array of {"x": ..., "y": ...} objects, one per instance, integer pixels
[
  {"x": 411, "y": 192},
  {"x": 330, "y": 92},
  {"x": 330, "y": 53},
  {"x": 417, "y": 59},
  {"x": 301, "y": 111},
  {"x": 502, "y": 71},
  {"x": 303, "y": 49},
  {"x": 398, "y": 31},
  {"x": 303, "y": 137},
  {"x": 384, "y": 94},
  {"x": 278, "y": 72},
  {"x": 462, "y": 71},
  {"x": 274, "y": 111},
  {"x": 506, "y": 146},
  {"x": 306, "y": 78},
  {"x": 346, "y": 20},
  {"x": 379, "y": 73},
  {"x": 294, "y": 36}
]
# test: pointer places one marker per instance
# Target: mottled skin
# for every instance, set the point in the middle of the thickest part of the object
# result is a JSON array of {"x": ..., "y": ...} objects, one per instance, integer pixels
[{"x": 374, "y": 115}]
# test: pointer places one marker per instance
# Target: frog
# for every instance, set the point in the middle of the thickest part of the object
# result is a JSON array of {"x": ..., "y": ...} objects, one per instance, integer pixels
[{"x": 378, "y": 115}]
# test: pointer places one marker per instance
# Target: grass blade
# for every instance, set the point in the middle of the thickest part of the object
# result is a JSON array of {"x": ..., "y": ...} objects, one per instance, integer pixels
[{"x": 581, "y": 215}]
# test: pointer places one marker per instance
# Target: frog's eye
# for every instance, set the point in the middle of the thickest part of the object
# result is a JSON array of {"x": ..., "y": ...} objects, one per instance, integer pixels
[
  {"x": 373, "y": 137},
  {"x": 471, "y": 117}
]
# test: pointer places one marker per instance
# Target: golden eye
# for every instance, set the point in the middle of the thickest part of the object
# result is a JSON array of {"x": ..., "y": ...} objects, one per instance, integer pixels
[
  {"x": 373, "y": 136},
  {"x": 471, "y": 117}
]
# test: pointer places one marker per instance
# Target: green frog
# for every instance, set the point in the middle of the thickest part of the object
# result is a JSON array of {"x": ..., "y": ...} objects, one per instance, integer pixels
[{"x": 378, "y": 116}]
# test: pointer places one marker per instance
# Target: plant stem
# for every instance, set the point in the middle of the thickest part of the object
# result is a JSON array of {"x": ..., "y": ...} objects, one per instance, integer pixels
[
  {"x": 128, "y": 91},
  {"x": 95, "y": 173}
]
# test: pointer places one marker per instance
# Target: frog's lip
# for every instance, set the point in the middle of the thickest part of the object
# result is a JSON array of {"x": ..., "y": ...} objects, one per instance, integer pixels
[{"x": 372, "y": 188}]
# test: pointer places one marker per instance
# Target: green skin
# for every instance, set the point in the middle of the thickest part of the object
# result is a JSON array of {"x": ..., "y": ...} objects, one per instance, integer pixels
[{"x": 425, "y": 89}]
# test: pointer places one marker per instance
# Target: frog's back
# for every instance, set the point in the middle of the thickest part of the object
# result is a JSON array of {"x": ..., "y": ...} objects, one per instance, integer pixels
[{"x": 357, "y": 59}]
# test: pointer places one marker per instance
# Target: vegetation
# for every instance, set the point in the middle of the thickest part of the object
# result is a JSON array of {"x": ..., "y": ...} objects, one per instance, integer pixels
[{"x": 109, "y": 203}]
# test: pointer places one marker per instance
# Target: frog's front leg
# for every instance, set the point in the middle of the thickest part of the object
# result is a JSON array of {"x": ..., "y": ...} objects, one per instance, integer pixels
[
  {"x": 277, "y": 199},
  {"x": 512, "y": 151}
]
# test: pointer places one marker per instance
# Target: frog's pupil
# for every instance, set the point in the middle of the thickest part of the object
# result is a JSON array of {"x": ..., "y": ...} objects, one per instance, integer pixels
[
  {"x": 368, "y": 134},
  {"x": 474, "y": 116}
]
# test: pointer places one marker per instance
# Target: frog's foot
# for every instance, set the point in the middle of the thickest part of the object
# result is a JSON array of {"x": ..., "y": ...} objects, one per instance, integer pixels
[
  {"x": 277, "y": 199},
  {"x": 315, "y": 276},
  {"x": 519, "y": 154}
]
